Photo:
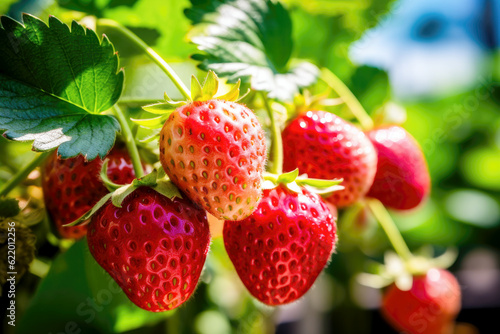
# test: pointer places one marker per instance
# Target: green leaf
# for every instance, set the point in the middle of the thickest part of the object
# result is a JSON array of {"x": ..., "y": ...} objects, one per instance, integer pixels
[
  {"x": 53, "y": 83},
  {"x": 319, "y": 183},
  {"x": 210, "y": 86},
  {"x": 152, "y": 123},
  {"x": 251, "y": 40},
  {"x": 165, "y": 187},
  {"x": 288, "y": 177},
  {"x": 196, "y": 90},
  {"x": 119, "y": 195},
  {"x": 163, "y": 107},
  {"x": 30, "y": 114},
  {"x": 233, "y": 94}
]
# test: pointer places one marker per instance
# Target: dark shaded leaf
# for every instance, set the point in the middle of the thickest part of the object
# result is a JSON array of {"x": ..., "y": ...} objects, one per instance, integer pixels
[{"x": 251, "y": 40}]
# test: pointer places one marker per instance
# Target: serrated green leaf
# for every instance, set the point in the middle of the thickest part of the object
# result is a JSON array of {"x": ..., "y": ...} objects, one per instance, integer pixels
[
  {"x": 30, "y": 114},
  {"x": 196, "y": 90},
  {"x": 152, "y": 123},
  {"x": 163, "y": 107},
  {"x": 54, "y": 81},
  {"x": 233, "y": 94},
  {"x": 210, "y": 86},
  {"x": 91, "y": 212},
  {"x": 255, "y": 44}
]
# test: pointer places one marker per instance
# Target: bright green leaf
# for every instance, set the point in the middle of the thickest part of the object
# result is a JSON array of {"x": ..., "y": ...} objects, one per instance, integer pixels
[
  {"x": 196, "y": 90},
  {"x": 210, "y": 86},
  {"x": 163, "y": 107},
  {"x": 54, "y": 82},
  {"x": 233, "y": 94},
  {"x": 288, "y": 177},
  {"x": 152, "y": 123}
]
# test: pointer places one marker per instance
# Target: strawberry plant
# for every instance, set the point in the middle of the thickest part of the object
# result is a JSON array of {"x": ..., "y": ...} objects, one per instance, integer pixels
[{"x": 231, "y": 183}]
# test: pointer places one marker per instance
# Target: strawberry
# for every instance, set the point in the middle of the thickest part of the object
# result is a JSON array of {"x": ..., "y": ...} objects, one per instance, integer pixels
[
  {"x": 430, "y": 306},
  {"x": 72, "y": 186},
  {"x": 402, "y": 180},
  {"x": 280, "y": 250},
  {"x": 323, "y": 145},
  {"x": 215, "y": 152},
  {"x": 152, "y": 246}
]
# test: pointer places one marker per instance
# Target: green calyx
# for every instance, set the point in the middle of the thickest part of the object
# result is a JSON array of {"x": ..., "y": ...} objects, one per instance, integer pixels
[
  {"x": 401, "y": 272},
  {"x": 157, "y": 179},
  {"x": 199, "y": 92},
  {"x": 294, "y": 182}
]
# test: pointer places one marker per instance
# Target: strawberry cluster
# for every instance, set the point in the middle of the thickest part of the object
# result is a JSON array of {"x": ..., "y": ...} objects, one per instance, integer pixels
[{"x": 151, "y": 234}]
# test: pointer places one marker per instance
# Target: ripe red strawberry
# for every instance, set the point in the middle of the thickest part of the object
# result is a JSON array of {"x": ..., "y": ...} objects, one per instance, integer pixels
[
  {"x": 429, "y": 307},
  {"x": 153, "y": 247},
  {"x": 280, "y": 250},
  {"x": 402, "y": 180},
  {"x": 215, "y": 152},
  {"x": 325, "y": 146},
  {"x": 72, "y": 186}
]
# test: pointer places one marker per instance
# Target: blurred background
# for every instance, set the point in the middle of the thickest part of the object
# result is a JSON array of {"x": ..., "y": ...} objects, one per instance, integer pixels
[{"x": 433, "y": 65}]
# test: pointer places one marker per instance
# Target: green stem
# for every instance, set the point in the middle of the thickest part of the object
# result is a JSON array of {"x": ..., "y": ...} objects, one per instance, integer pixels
[
  {"x": 392, "y": 232},
  {"x": 23, "y": 173},
  {"x": 150, "y": 52},
  {"x": 348, "y": 97},
  {"x": 129, "y": 142},
  {"x": 138, "y": 102},
  {"x": 277, "y": 145}
]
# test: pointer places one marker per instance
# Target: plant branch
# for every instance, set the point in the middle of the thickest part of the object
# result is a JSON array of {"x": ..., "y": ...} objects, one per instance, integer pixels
[
  {"x": 350, "y": 100},
  {"x": 22, "y": 174},
  {"x": 129, "y": 142},
  {"x": 390, "y": 229},
  {"x": 277, "y": 145},
  {"x": 150, "y": 52}
]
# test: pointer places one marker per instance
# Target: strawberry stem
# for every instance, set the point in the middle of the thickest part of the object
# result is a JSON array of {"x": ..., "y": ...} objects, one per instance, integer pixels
[
  {"x": 23, "y": 173},
  {"x": 390, "y": 229},
  {"x": 129, "y": 142},
  {"x": 276, "y": 141},
  {"x": 150, "y": 52},
  {"x": 348, "y": 97}
]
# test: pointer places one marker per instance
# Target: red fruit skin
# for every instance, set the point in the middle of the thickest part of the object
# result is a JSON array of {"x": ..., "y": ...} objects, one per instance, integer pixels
[
  {"x": 72, "y": 186},
  {"x": 325, "y": 146},
  {"x": 429, "y": 307},
  {"x": 153, "y": 247},
  {"x": 402, "y": 181},
  {"x": 215, "y": 151},
  {"x": 279, "y": 251}
]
